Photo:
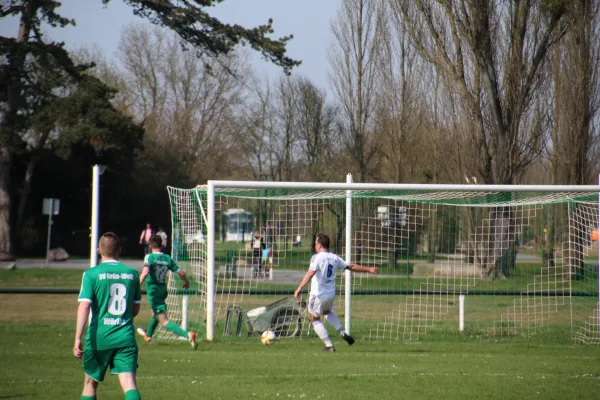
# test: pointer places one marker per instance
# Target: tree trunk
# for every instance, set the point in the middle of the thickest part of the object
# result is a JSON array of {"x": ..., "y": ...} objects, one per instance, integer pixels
[
  {"x": 5, "y": 234},
  {"x": 8, "y": 128},
  {"x": 27, "y": 183}
]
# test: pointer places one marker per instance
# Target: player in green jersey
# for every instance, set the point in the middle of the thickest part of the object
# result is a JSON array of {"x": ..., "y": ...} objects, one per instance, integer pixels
[
  {"x": 111, "y": 291},
  {"x": 156, "y": 267}
]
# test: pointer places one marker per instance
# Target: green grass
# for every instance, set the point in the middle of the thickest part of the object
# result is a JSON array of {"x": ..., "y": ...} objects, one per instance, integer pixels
[
  {"x": 37, "y": 363},
  {"x": 41, "y": 278},
  {"x": 523, "y": 279},
  {"x": 36, "y": 338}
]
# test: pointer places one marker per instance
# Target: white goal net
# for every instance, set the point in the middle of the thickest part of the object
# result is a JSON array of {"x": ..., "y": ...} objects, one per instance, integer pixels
[{"x": 525, "y": 260}]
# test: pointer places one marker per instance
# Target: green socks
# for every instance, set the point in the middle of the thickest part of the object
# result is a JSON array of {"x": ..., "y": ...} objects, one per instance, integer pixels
[
  {"x": 132, "y": 395},
  {"x": 176, "y": 329},
  {"x": 152, "y": 326},
  {"x": 88, "y": 397}
]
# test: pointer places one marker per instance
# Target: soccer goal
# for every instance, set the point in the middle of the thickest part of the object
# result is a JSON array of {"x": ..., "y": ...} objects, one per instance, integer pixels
[{"x": 478, "y": 260}]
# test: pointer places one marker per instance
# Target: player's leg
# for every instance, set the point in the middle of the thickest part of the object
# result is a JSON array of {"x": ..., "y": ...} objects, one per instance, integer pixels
[
  {"x": 151, "y": 327},
  {"x": 176, "y": 329},
  {"x": 89, "y": 388},
  {"x": 315, "y": 312},
  {"x": 95, "y": 363},
  {"x": 124, "y": 364},
  {"x": 333, "y": 319},
  {"x": 156, "y": 302},
  {"x": 129, "y": 386}
]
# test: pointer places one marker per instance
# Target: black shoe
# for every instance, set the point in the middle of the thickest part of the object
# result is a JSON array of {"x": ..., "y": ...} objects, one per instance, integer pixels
[
  {"x": 349, "y": 339},
  {"x": 329, "y": 349}
]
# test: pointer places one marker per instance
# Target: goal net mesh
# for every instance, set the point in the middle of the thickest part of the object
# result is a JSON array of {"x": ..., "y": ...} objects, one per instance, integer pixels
[{"x": 526, "y": 262}]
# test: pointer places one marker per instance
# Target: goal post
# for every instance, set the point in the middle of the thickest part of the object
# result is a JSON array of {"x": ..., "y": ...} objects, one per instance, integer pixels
[{"x": 523, "y": 256}]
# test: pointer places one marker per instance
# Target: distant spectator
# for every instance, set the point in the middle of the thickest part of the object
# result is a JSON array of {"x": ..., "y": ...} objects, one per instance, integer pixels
[
  {"x": 258, "y": 246},
  {"x": 145, "y": 238},
  {"x": 164, "y": 237}
]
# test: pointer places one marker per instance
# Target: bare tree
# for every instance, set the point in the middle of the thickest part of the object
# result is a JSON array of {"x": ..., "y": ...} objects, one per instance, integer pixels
[
  {"x": 316, "y": 131},
  {"x": 575, "y": 76},
  {"x": 354, "y": 78},
  {"x": 187, "y": 103},
  {"x": 494, "y": 53},
  {"x": 285, "y": 140},
  {"x": 575, "y": 73},
  {"x": 405, "y": 96},
  {"x": 255, "y": 129}
]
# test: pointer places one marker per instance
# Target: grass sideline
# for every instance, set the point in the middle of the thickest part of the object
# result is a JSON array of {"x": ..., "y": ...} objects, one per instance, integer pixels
[
  {"x": 37, "y": 363},
  {"x": 71, "y": 278}
]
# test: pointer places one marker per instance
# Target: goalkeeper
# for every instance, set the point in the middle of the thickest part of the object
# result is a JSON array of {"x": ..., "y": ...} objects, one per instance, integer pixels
[{"x": 156, "y": 266}]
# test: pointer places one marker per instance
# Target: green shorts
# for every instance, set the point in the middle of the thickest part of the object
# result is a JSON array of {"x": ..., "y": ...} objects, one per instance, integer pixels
[
  {"x": 123, "y": 359},
  {"x": 157, "y": 302}
]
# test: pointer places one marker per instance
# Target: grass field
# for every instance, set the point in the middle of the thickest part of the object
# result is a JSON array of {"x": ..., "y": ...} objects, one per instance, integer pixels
[{"x": 36, "y": 337}]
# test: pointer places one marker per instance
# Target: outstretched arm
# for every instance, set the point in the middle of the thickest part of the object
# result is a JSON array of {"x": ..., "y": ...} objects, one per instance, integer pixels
[
  {"x": 186, "y": 282},
  {"x": 360, "y": 268},
  {"x": 307, "y": 277}
]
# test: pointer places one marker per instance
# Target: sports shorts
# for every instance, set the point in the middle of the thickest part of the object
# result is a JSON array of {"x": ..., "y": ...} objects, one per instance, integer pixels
[
  {"x": 156, "y": 299},
  {"x": 122, "y": 359},
  {"x": 318, "y": 305}
]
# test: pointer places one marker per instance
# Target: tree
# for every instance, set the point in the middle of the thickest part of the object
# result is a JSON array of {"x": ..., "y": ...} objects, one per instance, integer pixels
[
  {"x": 209, "y": 36},
  {"x": 255, "y": 130},
  {"x": 317, "y": 132},
  {"x": 400, "y": 116},
  {"x": 187, "y": 105},
  {"x": 197, "y": 29},
  {"x": 66, "y": 112},
  {"x": 576, "y": 78},
  {"x": 354, "y": 62},
  {"x": 494, "y": 53}
]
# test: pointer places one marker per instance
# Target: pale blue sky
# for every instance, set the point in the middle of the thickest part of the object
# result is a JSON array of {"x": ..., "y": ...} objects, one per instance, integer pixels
[{"x": 308, "y": 20}]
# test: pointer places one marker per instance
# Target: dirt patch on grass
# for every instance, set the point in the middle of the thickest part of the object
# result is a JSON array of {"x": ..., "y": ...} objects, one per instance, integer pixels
[{"x": 28, "y": 308}]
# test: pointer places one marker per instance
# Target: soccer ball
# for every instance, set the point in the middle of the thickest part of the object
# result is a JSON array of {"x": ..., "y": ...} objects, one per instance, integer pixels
[{"x": 267, "y": 337}]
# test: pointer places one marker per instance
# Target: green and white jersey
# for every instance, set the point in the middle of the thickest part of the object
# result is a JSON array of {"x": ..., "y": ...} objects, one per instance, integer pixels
[
  {"x": 112, "y": 289},
  {"x": 159, "y": 264}
]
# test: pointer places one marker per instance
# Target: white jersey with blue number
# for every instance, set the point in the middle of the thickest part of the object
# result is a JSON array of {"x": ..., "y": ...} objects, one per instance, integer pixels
[{"x": 325, "y": 265}]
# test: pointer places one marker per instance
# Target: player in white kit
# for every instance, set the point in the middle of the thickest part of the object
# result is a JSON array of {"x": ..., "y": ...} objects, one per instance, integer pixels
[{"x": 321, "y": 275}]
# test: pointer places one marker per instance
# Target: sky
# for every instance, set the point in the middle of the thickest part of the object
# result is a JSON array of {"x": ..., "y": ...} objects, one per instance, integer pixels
[{"x": 307, "y": 20}]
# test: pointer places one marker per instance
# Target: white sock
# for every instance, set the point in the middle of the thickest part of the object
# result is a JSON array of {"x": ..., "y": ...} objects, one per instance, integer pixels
[
  {"x": 335, "y": 322},
  {"x": 322, "y": 333}
]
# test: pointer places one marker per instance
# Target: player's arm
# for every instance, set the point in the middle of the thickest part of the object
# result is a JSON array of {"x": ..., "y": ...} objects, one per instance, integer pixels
[
  {"x": 144, "y": 274},
  {"x": 175, "y": 268},
  {"x": 83, "y": 312},
  {"x": 360, "y": 268},
  {"x": 186, "y": 282},
  {"x": 137, "y": 297},
  {"x": 146, "y": 269},
  {"x": 307, "y": 277},
  {"x": 86, "y": 296}
]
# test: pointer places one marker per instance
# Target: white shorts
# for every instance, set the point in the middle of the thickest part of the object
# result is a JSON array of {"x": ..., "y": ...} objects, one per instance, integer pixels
[{"x": 317, "y": 305}]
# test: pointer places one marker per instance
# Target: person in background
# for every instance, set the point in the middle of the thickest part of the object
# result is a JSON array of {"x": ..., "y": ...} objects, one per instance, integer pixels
[
  {"x": 145, "y": 238},
  {"x": 163, "y": 235},
  {"x": 258, "y": 246}
]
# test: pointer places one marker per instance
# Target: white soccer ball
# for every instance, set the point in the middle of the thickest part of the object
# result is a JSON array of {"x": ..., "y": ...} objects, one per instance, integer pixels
[{"x": 267, "y": 337}]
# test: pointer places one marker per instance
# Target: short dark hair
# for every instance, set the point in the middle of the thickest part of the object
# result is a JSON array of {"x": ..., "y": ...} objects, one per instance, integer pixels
[
  {"x": 110, "y": 245},
  {"x": 323, "y": 240},
  {"x": 155, "y": 242}
]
